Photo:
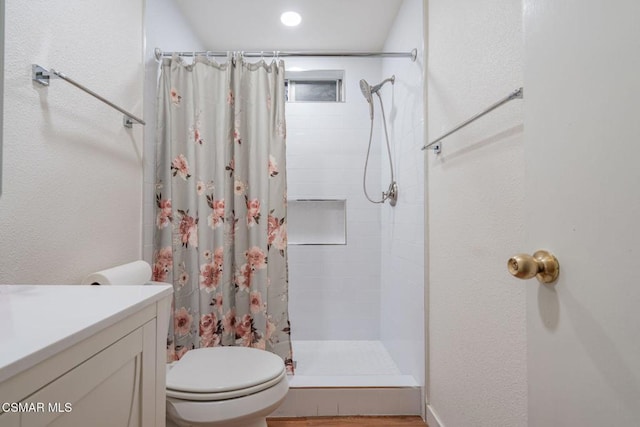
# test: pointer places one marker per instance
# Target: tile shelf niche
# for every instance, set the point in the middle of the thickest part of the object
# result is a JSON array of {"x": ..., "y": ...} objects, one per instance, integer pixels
[{"x": 317, "y": 222}]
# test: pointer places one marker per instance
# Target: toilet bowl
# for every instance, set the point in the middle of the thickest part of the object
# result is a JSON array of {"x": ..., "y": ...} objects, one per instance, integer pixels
[{"x": 225, "y": 386}]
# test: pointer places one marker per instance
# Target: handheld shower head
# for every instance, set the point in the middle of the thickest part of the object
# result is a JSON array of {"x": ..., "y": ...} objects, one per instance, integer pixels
[{"x": 366, "y": 91}]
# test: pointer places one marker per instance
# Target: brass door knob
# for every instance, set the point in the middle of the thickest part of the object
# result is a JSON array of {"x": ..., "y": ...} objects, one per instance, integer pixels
[{"x": 543, "y": 265}]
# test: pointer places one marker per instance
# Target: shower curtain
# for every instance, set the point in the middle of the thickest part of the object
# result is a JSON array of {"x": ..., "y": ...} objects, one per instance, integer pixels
[{"x": 220, "y": 234}]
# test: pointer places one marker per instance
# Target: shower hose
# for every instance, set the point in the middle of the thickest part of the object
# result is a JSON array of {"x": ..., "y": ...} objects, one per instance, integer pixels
[{"x": 390, "y": 191}]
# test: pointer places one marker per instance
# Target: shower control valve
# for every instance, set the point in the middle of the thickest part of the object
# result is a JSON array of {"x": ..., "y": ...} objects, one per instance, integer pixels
[{"x": 391, "y": 194}]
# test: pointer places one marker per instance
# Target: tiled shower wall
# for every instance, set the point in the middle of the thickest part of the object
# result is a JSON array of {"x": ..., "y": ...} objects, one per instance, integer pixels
[
  {"x": 334, "y": 290},
  {"x": 402, "y": 319}
]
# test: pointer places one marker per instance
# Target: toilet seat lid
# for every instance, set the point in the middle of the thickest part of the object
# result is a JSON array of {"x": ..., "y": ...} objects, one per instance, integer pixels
[{"x": 223, "y": 369}]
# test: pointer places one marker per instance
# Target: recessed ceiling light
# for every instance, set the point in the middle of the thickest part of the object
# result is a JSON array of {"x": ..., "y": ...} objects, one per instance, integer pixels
[{"x": 290, "y": 19}]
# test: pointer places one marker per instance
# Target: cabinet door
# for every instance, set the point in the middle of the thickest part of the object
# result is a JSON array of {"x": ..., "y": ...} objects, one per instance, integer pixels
[{"x": 104, "y": 391}]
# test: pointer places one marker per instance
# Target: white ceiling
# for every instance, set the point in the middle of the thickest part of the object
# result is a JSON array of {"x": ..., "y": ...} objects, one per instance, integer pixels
[{"x": 326, "y": 24}]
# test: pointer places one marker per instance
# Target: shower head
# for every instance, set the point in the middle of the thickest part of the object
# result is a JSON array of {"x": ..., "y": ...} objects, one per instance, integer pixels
[{"x": 368, "y": 91}]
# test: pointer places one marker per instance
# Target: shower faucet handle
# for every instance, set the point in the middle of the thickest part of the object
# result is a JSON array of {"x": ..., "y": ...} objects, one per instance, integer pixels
[{"x": 391, "y": 194}]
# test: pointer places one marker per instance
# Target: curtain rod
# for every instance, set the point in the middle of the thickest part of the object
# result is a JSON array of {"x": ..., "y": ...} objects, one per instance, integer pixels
[{"x": 309, "y": 53}]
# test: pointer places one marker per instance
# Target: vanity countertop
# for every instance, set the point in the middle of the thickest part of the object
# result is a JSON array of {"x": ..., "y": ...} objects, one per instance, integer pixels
[{"x": 39, "y": 321}]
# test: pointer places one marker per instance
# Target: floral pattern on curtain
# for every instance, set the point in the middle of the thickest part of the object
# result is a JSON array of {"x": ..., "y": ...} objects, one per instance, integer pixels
[{"x": 221, "y": 212}]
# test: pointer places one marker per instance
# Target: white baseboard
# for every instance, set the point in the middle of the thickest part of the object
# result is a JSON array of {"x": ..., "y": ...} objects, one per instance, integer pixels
[{"x": 432, "y": 418}]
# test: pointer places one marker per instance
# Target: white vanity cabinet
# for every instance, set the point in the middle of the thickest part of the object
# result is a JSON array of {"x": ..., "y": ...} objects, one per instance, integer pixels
[{"x": 83, "y": 355}]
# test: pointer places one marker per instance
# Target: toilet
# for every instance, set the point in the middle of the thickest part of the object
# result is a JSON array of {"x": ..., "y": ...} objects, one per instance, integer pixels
[
  {"x": 225, "y": 386},
  {"x": 213, "y": 386}
]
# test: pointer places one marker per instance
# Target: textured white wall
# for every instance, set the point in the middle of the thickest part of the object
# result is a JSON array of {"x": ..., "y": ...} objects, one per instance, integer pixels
[
  {"x": 402, "y": 226},
  {"x": 334, "y": 290},
  {"x": 477, "y": 344},
  {"x": 167, "y": 29},
  {"x": 72, "y": 188}
]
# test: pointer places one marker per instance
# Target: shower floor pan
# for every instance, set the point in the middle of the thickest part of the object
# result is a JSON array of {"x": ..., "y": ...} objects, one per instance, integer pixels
[{"x": 348, "y": 378}]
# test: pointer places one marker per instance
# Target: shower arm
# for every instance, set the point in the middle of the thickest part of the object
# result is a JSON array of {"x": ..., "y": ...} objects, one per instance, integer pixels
[{"x": 376, "y": 88}]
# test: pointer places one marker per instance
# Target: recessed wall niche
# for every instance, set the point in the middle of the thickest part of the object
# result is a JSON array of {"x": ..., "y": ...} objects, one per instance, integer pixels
[{"x": 317, "y": 222}]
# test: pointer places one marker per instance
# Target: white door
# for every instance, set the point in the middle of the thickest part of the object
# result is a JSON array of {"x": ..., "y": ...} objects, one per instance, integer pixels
[{"x": 582, "y": 148}]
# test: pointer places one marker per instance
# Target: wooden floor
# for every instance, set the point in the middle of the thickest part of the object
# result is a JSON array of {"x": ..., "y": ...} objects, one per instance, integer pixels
[{"x": 347, "y": 422}]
